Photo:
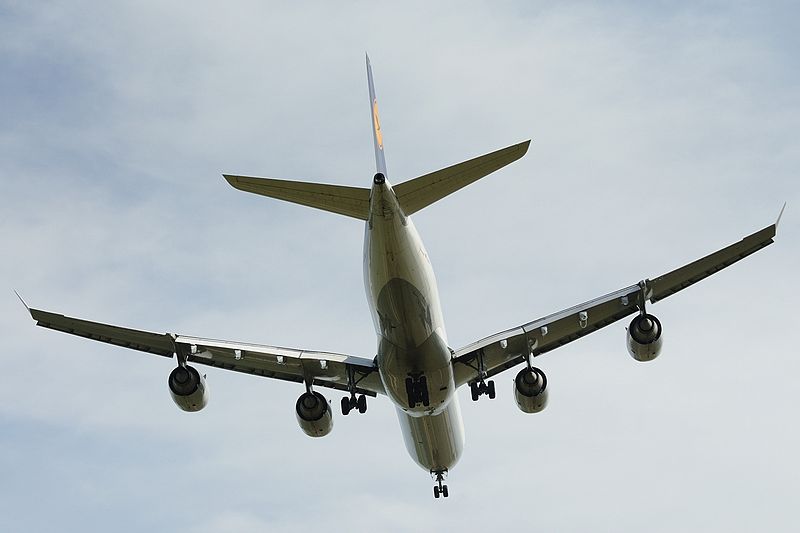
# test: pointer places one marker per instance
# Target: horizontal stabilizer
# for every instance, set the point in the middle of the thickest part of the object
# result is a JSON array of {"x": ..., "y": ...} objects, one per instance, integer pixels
[
  {"x": 349, "y": 201},
  {"x": 421, "y": 192}
]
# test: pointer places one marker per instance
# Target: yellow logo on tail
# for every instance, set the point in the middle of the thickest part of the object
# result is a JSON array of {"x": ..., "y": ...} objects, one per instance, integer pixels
[{"x": 376, "y": 123}]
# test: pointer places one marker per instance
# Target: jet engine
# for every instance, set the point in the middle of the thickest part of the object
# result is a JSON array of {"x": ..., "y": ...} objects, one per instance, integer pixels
[
  {"x": 314, "y": 414},
  {"x": 188, "y": 388},
  {"x": 530, "y": 390},
  {"x": 644, "y": 337}
]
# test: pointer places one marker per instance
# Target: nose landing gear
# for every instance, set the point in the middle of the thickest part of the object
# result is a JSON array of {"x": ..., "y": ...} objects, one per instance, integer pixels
[{"x": 440, "y": 489}]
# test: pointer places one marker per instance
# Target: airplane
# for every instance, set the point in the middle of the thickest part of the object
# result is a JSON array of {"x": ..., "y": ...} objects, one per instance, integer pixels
[{"x": 414, "y": 366}]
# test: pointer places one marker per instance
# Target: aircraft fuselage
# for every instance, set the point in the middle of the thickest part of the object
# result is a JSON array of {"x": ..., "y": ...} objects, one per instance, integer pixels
[{"x": 412, "y": 342}]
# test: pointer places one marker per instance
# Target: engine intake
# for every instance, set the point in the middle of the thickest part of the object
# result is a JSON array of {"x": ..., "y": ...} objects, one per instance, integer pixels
[
  {"x": 644, "y": 337},
  {"x": 530, "y": 390},
  {"x": 314, "y": 414},
  {"x": 188, "y": 388}
]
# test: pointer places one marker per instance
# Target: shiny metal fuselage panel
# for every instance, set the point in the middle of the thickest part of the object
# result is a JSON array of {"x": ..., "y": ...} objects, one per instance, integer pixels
[{"x": 412, "y": 341}]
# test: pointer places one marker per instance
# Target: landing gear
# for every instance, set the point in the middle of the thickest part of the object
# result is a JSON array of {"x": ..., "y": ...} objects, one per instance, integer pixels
[
  {"x": 361, "y": 403},
  {"x": 479, "y": 388},
  {"x": 417, "y": 389},
  {"x": 354, "y": 402},
  {"x": 440, "y": 489}
]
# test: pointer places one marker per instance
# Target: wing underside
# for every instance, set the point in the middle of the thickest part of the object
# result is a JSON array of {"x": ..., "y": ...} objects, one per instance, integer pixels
[
  {"x": 336, "y": 371},
  {"x": 509, "y": 348}
]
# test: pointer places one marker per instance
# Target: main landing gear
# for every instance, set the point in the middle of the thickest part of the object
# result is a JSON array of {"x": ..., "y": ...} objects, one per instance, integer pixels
[
  {"x": 479, "y": 388},
  {"x": 354, "y": 402},
  {"x": 440, "y": 489},
  {"x": 417, "y": 389}
]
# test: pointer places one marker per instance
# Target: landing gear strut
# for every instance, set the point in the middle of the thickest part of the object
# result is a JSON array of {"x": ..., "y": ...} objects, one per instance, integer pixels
[
  {"x": 417, "y": 389},
  {"x": 480, "y": 387},
  {"x": 353, "y": 402},
  {"x": 440, "y": 489}
]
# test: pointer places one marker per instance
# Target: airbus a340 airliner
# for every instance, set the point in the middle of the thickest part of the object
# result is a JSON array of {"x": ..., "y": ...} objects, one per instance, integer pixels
[{"x": 414, "y": 365}]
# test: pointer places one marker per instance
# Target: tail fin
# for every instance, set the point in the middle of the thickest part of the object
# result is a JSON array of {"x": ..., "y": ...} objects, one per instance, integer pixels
[
  {"x": 421, "y": 192},
  {"x": 377, "y": 134},
  {"x": 412, "y": 195},
  {"x": 349, "y": 201}
]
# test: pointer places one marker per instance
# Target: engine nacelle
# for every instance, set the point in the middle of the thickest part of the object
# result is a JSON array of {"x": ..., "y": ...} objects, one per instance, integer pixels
[
  {"x": 188, "y": 388},
  {"x": 644, "y": 337},
  {"x": 314, "y": 414},
  {"x": 530, "y": 390}
]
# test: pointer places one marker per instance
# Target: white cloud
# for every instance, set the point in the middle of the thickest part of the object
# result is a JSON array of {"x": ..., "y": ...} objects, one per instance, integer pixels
[{"x": 659, "y": 135}]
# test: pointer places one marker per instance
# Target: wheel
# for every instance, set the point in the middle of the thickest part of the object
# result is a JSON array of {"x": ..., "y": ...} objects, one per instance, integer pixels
[
  {"x": 436, "y": 492},
  {"x": 490, "y": 390},
  {"x": 345, "y": 406},
  {"x": 362, "y": 404},
  {"x": 423, "y": 391},
  {"x": 473, "y": 389},
  {"x": 444, "y": 490},
  {"x": 411, "y": 390}
]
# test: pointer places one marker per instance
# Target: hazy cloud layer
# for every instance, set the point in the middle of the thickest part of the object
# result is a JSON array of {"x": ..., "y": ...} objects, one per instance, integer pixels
[{"x": 660, "y": 133}]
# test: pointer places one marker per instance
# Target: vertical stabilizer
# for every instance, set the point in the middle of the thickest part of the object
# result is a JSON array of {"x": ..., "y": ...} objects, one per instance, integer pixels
[{"x": 377, "y": 134}]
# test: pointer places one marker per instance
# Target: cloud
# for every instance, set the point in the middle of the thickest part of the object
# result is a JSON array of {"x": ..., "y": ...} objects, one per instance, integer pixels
[{"x": 660, "y": 133}]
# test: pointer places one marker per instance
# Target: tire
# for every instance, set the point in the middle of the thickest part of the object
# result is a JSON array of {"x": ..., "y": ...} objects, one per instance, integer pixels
[
  {"x": 345, "y": 406},
  {"x": 362, "y": 404},
  {"x": 444, "y": 491},
  {"x": 473, "y": 389},
  {"x": 412, "y": 397},
  {"x": 422, "y": 390},
  {"x": 435, "y": 492},
  {"x": 490, "y": 390}
]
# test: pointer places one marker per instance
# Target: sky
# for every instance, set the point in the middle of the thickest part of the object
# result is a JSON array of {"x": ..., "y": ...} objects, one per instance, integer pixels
[{"x": 661, "y": 132}]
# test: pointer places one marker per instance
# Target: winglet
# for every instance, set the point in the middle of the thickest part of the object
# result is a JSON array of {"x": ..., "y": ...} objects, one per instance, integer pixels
[
  {"x": 777, "y": 222},
  {"x": 23, "y": 301}
]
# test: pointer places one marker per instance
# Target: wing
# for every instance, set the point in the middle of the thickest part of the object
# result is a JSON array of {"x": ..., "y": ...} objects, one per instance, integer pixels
[
  {"x": 508, "y": 348},
  {"x": 320, "y": 368}
]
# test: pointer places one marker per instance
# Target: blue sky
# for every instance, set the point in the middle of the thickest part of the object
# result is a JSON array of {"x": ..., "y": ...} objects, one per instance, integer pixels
[{"x": 661, "y": 132}]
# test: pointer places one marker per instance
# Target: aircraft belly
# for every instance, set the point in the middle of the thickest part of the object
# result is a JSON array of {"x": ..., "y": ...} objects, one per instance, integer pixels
[
  {"x": 434, "y": 442},
  {"x": 412, "y": 342},
  {"x": 431, "y": 359},
  {"x": 401, "y": 286},
  {"x": 404, "y": 314}
]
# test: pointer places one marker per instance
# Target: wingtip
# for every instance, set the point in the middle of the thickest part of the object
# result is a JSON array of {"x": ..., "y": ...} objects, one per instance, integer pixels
[
  {"x": 27, "y": 307},
  {"x": 777, "y": 222}
]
